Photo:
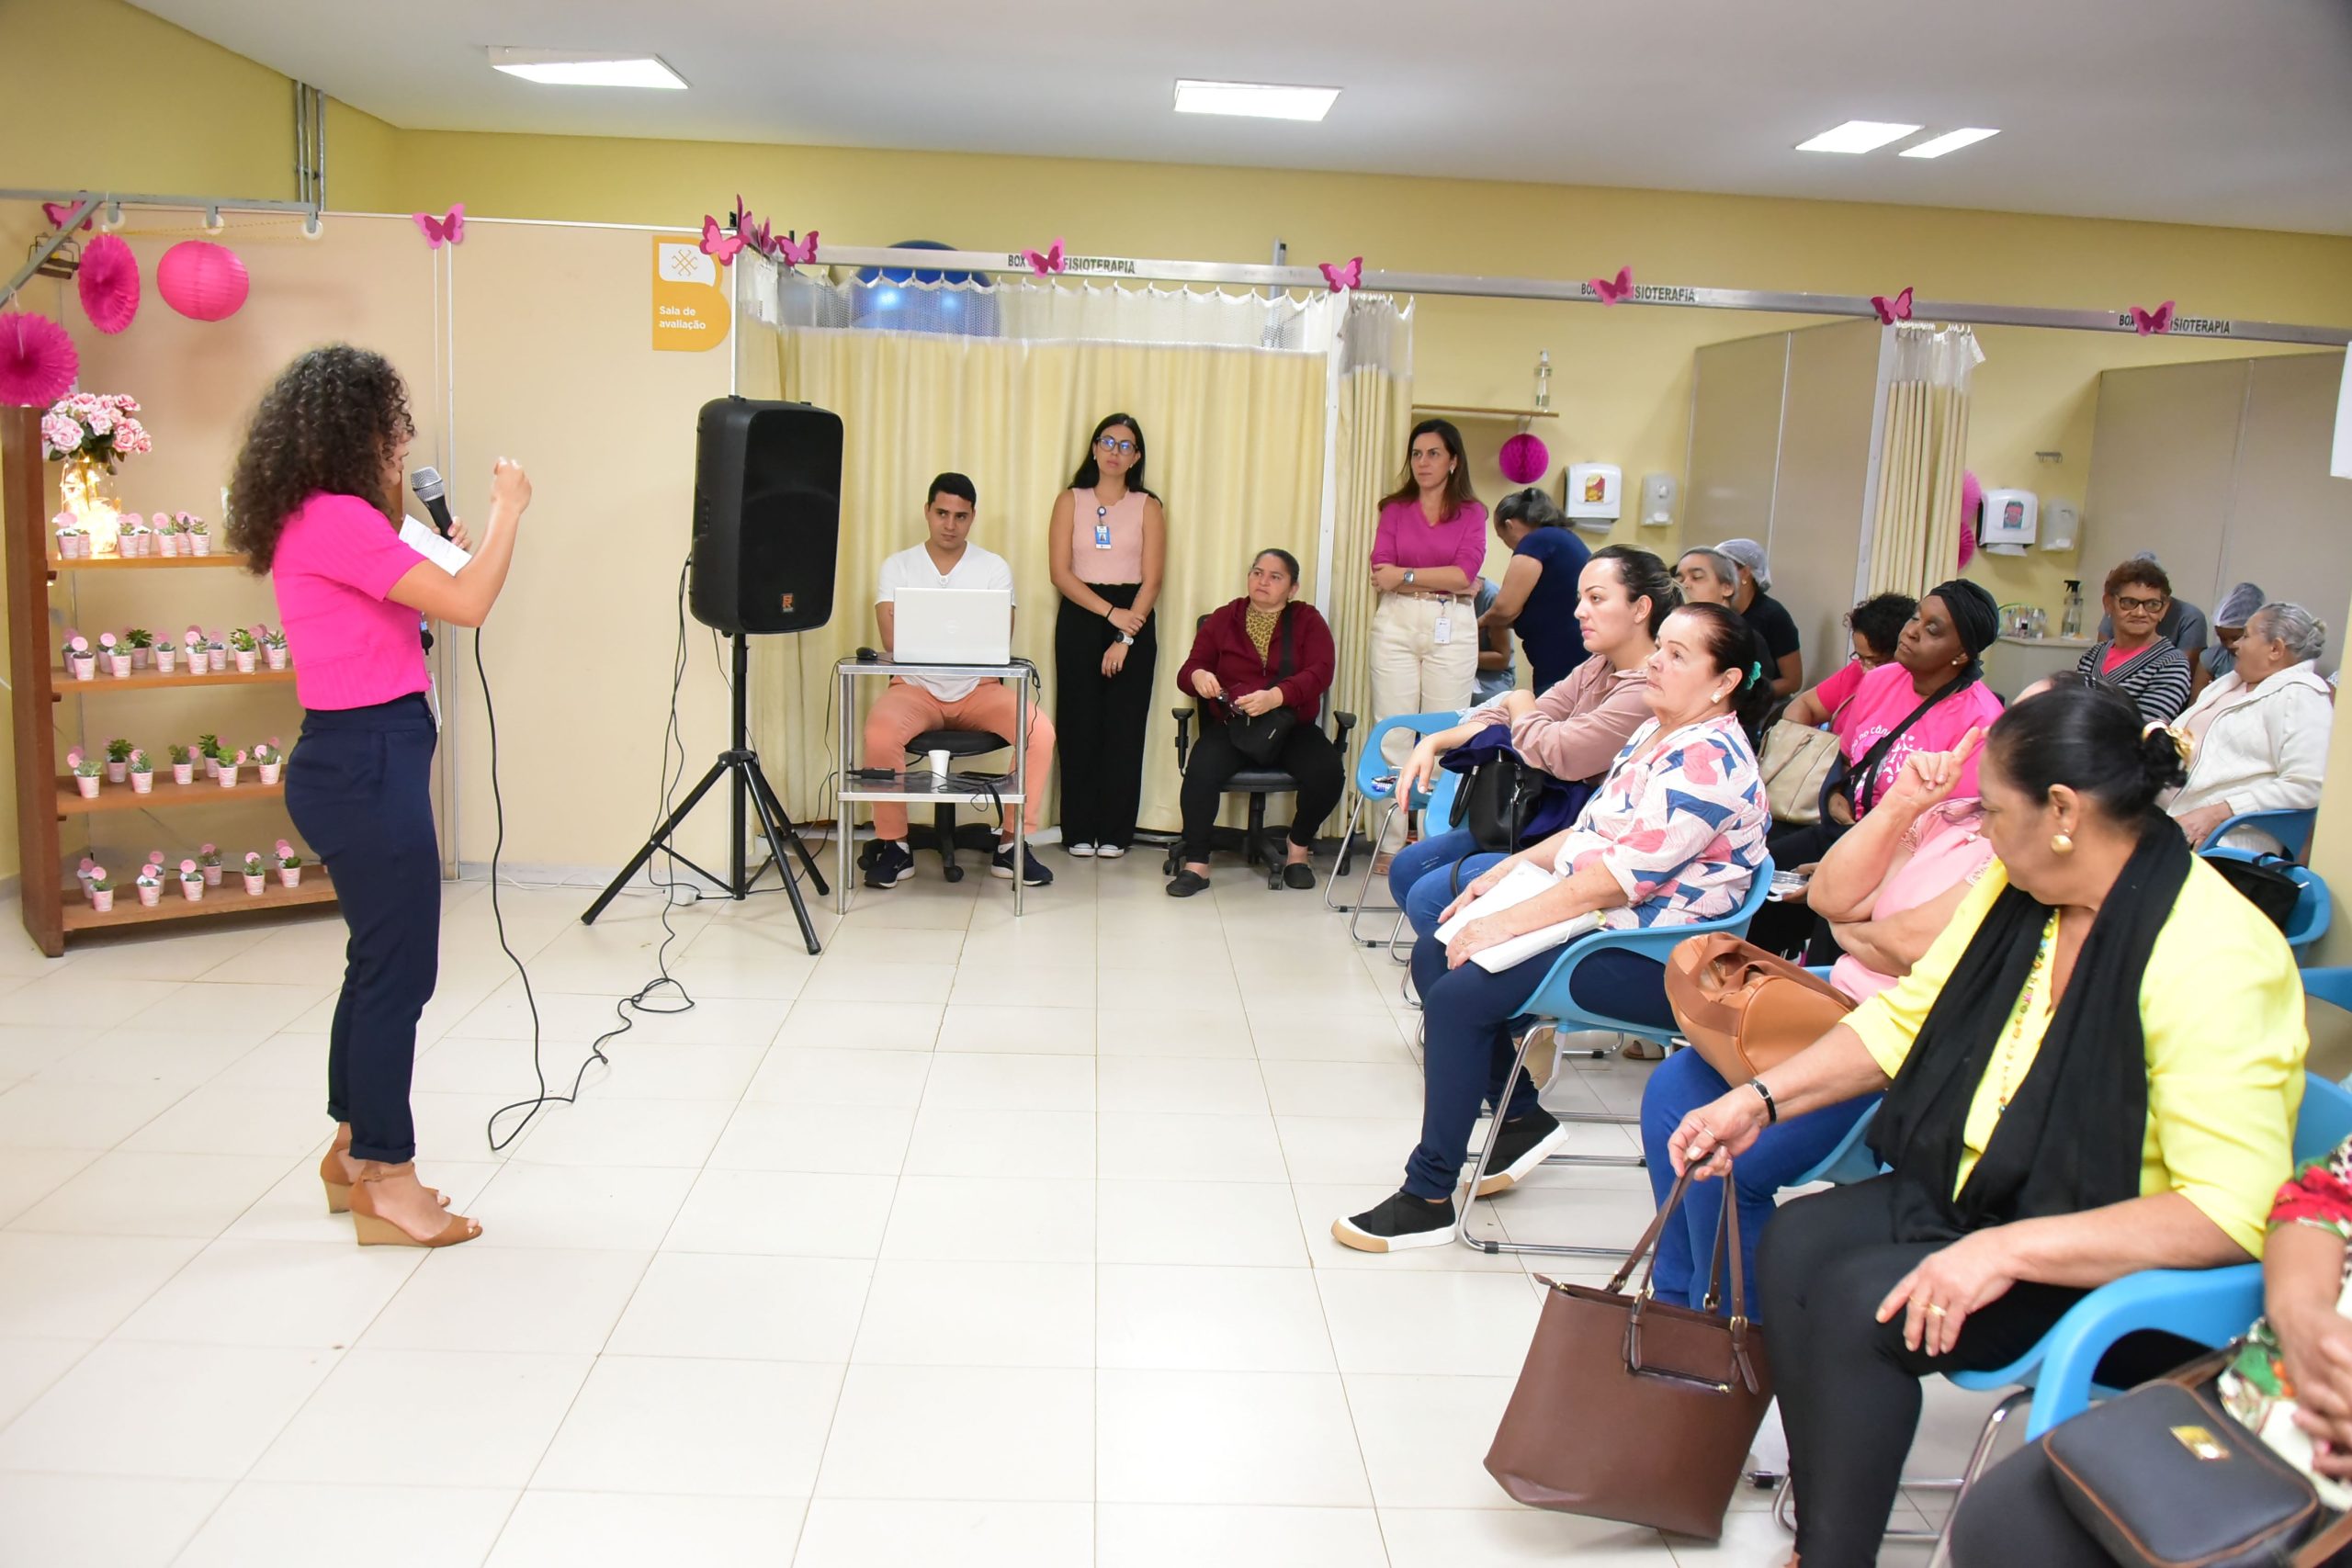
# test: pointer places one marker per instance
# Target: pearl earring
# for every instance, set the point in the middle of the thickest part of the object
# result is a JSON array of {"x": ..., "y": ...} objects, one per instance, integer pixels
[{"x": 2062, "y": 843}]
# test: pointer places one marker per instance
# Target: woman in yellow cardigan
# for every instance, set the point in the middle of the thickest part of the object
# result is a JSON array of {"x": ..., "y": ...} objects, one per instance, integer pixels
[{"x": 2043, "y": 1139}]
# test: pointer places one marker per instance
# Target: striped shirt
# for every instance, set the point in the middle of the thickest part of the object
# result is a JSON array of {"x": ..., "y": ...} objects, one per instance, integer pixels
[{"x": 2156, "y": 678}]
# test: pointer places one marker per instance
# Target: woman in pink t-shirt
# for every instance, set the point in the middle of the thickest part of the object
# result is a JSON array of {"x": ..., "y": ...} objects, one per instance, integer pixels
[{"x": 314, "y": 503}]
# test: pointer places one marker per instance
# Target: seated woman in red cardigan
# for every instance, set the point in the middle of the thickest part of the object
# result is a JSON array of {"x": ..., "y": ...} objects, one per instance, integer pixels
[{"x": 1261, "y": 655}]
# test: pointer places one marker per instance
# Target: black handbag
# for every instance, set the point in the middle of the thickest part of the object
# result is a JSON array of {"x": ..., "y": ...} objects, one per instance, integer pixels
[
  {"x": 2261, "y": 884},
  {"x": 2163, "y": 1476},
  {"x": 1261, "y": 736},
  {"x": 1499, "y": 801}
]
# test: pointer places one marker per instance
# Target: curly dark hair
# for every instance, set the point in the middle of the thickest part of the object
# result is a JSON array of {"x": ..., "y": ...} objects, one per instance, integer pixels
[{"x": 331, "y": 421}]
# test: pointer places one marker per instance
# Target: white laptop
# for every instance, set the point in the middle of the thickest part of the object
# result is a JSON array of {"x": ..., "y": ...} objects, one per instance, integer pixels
[{"x": 953, "y": 626}]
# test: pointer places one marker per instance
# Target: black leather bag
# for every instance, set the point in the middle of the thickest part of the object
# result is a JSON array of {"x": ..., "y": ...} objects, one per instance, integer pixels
[
  {"x": 2163, "y": 1476},
  {"x": 1259, "y": 738},
  {"x": 1499, "y": 801},
  {"x": 2261, "y": 882}
]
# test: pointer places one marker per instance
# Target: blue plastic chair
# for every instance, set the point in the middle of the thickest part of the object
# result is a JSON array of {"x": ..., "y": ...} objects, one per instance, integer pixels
[
  {"x": 1551, "y": 1003},
  {"x": 2308, "y": 921},
  {"x": 1372, "y": 767},
  {"x": 1439, "y": 808},
  {"x": 2291, "y": 826}
]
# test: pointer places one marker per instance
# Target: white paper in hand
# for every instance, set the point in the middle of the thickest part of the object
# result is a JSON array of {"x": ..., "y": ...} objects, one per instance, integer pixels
[
  {"x": 1524, "y": 882},
  {"x": 442, "y": 553}
]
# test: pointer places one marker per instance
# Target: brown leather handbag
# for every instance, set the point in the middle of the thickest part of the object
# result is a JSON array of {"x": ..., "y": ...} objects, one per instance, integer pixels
[
  {"x": 1634, "y": 1410},
  {"x": 1743, "y": 1010}
]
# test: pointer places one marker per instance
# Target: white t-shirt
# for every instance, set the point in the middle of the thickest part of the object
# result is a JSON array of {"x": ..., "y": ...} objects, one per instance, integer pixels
[{"x": 914, "y": 568}]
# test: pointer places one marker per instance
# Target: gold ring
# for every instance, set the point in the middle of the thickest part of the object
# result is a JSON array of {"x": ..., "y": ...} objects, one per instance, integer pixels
[{"x": 1937, "y": 1310}]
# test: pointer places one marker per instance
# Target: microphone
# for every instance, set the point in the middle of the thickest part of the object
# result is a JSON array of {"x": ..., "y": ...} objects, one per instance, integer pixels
[{"x": 427, "y": 483}]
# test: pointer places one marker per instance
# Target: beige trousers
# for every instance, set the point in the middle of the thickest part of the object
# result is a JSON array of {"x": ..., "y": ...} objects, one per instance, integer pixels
[{"x": 1413, "y": 672}]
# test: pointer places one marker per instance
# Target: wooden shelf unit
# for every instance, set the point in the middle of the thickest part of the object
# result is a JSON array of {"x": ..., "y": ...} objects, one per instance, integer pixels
[{"x": 54, "y": 908}]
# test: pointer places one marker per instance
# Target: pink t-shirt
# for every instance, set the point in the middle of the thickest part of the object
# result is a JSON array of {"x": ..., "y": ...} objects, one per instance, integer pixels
[
  {"x": 1948, "y": 847},
  {"x": 1405, "y": 537},
  {"x": 1864, "y": 705},
  {"x": 352, "y": 647}
]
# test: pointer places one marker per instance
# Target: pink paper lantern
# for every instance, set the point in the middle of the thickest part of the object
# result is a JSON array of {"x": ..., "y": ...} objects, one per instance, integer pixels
[
  {"x": 1525, "y": 460},
  {"x": 36, "y": 359},
  {"x": 108, "y": 283},
  {"x": 202, "y": 281}
]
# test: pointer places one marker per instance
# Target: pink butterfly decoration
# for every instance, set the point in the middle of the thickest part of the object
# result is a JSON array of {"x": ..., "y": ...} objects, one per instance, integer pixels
[
  {"x": 797, "y": 253},
  {"x": 1049, "y": 260},
  {"x": 715, "y": 243},
  {"x": 758, "y": 234},
  {"x": 2156, "y": 320},
  {"x": 1610, "y": 291},
  {"x": 1341, "y": 278},
  {"x": 57, "y": 212},
  {"x": 1893, "y": 311},
  {"x": 451, "y": 229}
]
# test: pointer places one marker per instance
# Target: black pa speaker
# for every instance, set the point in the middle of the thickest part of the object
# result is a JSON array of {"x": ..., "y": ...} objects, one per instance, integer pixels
[{"x": 767, "y": 515}]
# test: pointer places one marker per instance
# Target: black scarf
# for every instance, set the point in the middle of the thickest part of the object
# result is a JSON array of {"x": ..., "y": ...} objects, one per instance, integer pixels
[{"x": 2071, "y": 1137}]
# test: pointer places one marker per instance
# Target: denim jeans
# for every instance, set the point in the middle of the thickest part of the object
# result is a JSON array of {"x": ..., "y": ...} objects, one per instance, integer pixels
[{"x": 1422, "y": 877}]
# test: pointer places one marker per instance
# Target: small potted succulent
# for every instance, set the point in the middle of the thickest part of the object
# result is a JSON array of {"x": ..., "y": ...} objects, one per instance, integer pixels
[
  {"x": 191, "y": 882},
  {"x": 182, "y": 762},
  {"x": 166, "y": 535},
  {"x": 274, "y": 649},
  {"x": 117, "y": 656},
  {"x": 118, "y": 760},
  {"x": 257, "y": 873},
  {"x": 85, "y": 772},
  {"x": 269, "y": 759},
  {"x": 199, "y": 534},
  {"x": 217, "y": 652},
  {"x": 193, "y": 641},
  {"x": 69, "y": 536},
  {"x": 82, "y": 874},
  {"x": 131, "y": 536},
  {"x": 247, "y": 649},
  {"x": 207, "y": 861},
  {"x": 101, "y": 890},
  {"x": 150, "y": 883},
  {"x": 230, "y": 762},
  {"x": 289, "y": 866},
  {"x": 142, "y": 646},
  {"x": 142, "y": 773},
  {"x": 78, "y": 656},
  {"x": 208, "y": 746},
  {"x": 166, "y": 656}
]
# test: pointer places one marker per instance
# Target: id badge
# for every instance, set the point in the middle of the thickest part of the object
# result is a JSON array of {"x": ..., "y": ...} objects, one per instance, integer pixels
[
  {"x": 1443, "y": 632},
  {"x": 1102, "y": 535}
]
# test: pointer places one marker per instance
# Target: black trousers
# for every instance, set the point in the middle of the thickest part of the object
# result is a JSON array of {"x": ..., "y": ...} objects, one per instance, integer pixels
[
  {"x": 1099, "y": 720},
  {"x": 359, "y": 787},
  {"x": 1308, "y": 755},
  {"x": 1793, "y": 930}
]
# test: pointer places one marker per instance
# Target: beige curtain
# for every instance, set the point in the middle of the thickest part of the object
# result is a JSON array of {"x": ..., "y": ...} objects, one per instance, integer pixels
[
  {"x": 1376, "y": 411},
  {"x": 1915, "y": 537}
]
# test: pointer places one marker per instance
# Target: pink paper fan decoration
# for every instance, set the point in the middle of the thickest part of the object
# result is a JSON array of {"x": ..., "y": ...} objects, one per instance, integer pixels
[
  {"x": 109, "y": 283},
  {"x": 1525, "y": 460},
  {"x": 1972, "y": 498},
  {"x": 36, "y": 359},
  {"x": 202, "y": 281}
]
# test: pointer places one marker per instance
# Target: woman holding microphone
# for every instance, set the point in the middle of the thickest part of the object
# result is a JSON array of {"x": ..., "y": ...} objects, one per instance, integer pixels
[{"x": 315, "y": 503}]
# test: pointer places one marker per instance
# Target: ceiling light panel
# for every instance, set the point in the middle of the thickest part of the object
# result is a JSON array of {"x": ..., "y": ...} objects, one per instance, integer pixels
[
  {"x": 1856, "y": 136},
  {"x": 559, "y": 68},
  {"x": 1253, "y": 99},
  {"x": 1950, "y": 141}
]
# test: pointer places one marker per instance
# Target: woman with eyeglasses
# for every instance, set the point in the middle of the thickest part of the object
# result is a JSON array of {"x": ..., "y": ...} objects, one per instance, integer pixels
[
  {"x": 1108, "y": 544},
  {"x": 2151, "y": 670}
]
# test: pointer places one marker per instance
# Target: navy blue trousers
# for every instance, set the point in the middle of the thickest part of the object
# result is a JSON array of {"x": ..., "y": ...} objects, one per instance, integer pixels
[{"x": 359, "y": 787}]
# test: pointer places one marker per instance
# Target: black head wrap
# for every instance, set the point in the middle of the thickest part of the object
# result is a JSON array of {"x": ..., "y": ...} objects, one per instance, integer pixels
[{"x": 1974, "y": 617}]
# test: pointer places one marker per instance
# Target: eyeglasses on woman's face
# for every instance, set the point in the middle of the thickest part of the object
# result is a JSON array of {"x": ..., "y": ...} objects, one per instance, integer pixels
[
  {"x": 2133, "y": 605},
  {"x": 1112, "y": 443}
]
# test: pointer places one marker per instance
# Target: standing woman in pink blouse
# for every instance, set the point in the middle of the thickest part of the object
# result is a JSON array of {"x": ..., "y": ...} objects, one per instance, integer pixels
[
  {"x": 315, "y": 503},
  {"x": 1426, "y": 553}
]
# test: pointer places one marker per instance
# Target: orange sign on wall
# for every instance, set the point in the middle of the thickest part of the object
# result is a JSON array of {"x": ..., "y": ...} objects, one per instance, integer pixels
[{"x": 690, "y": 310}]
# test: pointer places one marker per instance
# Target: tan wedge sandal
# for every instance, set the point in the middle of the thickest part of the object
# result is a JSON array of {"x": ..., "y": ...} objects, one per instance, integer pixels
[
  {"x": 330, "y": 1173},
  {"x": 374, "y": 1229}
]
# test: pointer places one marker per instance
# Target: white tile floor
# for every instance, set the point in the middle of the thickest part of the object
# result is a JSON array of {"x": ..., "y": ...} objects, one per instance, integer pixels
[{"x": 971, "y": 1242}]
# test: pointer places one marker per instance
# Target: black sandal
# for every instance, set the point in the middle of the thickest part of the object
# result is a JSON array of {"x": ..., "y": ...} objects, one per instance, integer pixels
[
  {"x": 1298, "y": 874},
  {"x": 1187, "y": 883}
]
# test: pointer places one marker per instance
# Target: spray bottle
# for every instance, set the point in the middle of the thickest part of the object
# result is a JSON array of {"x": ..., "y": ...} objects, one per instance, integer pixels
[{"x": 2071, "y": 625}]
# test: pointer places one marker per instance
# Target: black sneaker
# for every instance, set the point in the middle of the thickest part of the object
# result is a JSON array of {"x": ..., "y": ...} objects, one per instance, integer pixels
[
  {"x": 1401, "y": 1222},
  {"x": 893, "y": 863},
  {"x": 1519, "y": 1147},
  {"x": 1032, "y": 871}
]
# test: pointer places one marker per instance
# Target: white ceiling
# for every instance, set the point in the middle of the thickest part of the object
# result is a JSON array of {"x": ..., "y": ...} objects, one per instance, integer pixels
[{"x": 2202, "y": 111}]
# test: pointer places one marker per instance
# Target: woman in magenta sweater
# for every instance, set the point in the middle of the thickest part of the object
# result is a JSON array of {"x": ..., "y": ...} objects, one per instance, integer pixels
[
  {"x": 315, "y": 503},
  {"x": 1261, "y": 653}
]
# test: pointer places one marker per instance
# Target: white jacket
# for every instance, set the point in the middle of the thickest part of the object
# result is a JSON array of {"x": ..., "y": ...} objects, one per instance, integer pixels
[{"x": 2265, "y": 749}]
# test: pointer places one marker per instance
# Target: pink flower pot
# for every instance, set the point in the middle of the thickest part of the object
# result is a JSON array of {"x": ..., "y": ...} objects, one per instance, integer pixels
[
  {"x": 212, "y": 767},
  {"x": 290, "y": 876},
  {"x": 276, "y": 658},
  {"x": 269, "y": 772},
  {"x": 151, "y": 896},
  {"x": 118, "y": 772},
  {"x": 181, "y": 773},
  {"x": 85, "y": 666},
  {"x": 167, "y": 544},
  {"x": 142, "y": 658},
  {"x": 217, "y": 657},
  {"x": 118, "y": 665},
  {"x": 254, "y": 885},
  {"x": 102, "y": 902},
  {"x": 201, "y": 543},
  {"x": 89, "y": 787},
  {"x": 142, "y": 784},
  {"x": 192, "y": 891},
  {"x": 193, "y": 663},
  {"x": 164, "y": 659},
  {"x": 244, "y": 662},
  {"x": 211, "y": 875},
  {"x": 228, "y": 776}
]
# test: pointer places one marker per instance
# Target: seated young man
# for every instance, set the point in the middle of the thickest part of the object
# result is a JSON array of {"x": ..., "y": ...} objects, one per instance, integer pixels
[{"x": 915, "y": 703}]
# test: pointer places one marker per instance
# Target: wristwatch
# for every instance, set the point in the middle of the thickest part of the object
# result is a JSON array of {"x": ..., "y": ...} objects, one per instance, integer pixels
[
  {"x": 1409, "y": 577},
  {"x": 1127, "y": 639}
]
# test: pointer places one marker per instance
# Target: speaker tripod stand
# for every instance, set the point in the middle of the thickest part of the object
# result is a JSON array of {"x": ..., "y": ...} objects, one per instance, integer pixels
[{"x": 739, "y": 766}]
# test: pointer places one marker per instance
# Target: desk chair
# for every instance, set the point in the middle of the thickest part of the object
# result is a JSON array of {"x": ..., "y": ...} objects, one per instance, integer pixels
[
  {"x": 944, "y": 834},
  {"x": 1372, "y": 767}
]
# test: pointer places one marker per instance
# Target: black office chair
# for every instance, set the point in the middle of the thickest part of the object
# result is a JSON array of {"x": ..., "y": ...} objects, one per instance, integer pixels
[
  {"x": 1258, "y": 847},
  {"x": 944, "y": 835}
]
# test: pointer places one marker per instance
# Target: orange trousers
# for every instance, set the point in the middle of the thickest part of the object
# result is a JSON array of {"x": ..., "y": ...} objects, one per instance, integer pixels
[{"x": 905, "y": 710}]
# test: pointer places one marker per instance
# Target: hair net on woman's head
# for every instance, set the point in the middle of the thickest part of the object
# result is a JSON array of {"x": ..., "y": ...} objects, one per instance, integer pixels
[{"x": 2241, "y": 601}]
